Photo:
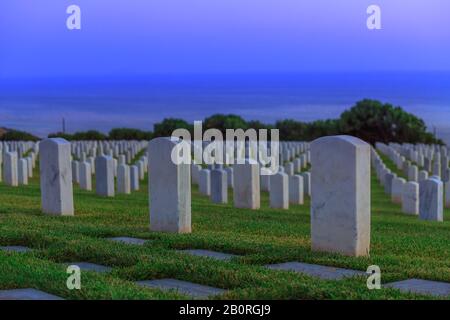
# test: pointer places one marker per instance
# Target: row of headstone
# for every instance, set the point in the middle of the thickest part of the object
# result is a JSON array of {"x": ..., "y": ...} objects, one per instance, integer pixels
[
  {"x": 433, "y": 159},
  {"x": 419, "y": 195},
  {"x": 17, "y": 161},
  {"x": 248, "y": 180}
]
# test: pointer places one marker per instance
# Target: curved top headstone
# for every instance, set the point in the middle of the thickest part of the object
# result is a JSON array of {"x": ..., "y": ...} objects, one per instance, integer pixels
[{"x": 340, "y": 195}]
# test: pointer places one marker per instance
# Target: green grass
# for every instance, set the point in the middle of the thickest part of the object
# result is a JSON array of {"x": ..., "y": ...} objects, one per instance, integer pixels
[{"x": 402, "y": 246}]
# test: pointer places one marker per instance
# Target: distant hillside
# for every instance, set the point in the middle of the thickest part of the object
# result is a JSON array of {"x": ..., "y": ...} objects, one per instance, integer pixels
[{"x": 16, "y": 135}]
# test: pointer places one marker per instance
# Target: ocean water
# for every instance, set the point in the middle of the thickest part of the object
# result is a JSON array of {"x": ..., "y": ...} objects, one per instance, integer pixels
[{"x": 38, "y": 105}]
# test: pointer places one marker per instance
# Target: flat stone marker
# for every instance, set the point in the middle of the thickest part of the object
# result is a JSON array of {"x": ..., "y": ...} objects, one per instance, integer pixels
[
  {"x": 419, "y": 286},
  {"x": 209, "y": 254},
  {"x": 15, "y": 249},
  {"x": 26, "y": 294},
  {"x": 340, "y": 190},
  {"x": 315, "y": 270},
  {"x": 87, "y": 266},
  {"x": 184, "y": 287},
  {"x": 129, "y": 240}
]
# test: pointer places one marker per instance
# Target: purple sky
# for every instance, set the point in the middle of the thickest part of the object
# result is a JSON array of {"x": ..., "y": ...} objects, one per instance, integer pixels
[
  {"x": 207, "y": 36},
  {"x": 123, "y": 38}
]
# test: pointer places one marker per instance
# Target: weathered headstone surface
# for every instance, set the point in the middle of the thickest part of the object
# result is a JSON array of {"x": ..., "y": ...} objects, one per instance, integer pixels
[
  {"x": 388, "y": 178},
  {"x": 431, "y": 200},
  {"x": 204, "y": 182},
  {"x": 85, "y": 176},
  {"x": 10, "y": 169},
  {"x": 340, "y": 189},
  {"x": 123, "y": 179},
  {"x": 410, "y": 198},
  {"x": 23, "y": 172},
  {"x": 296, "y": 189},
  {"x": 76, "y": 171},
  {"x": 56, "y": 177},
  {"x": 397, "y": 190},
  {"x": 413, "y": 174},
  {"x": 230, "y": 177},
  {"x": 423, "y": 175},
  {"x": 306, "y": 183},
  {"x": 134, "y": 178},
  {"x": 265, "y": 183},
  {"x": 219, "y": 186},
  {"x": 169, "y": 187},
  {"x": 246, "y": 192},
  {"x": 279, "y": 191},
  {"x": 104, "y": 175}
]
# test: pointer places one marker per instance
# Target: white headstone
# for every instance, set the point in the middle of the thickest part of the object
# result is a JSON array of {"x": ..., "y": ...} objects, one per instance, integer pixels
[
  {"x": 23, "y": 172},
  {"x": 431, "y": 199},
  {"x": 169, "y": 187},
  {"x": 340, "y": 189},
  {"x": 410, "y": 198},
  {"x": 85, "y": 176},
  {"x": 134, "y": 177},
  {"x": 246, "y": 192},
  {"x": 123, "y": 179},
  {"x": 10, "y": 169},
  {"x": 296, "y": 189},
  {"x": 397, "y": 190},
  {"x": 279, "y": 191},
  {"x": 219, "y": 186},
  {"x": 56, "y": 177},
  {"x": 104, "y": 176},
  {"x": 204, "y": 182}
]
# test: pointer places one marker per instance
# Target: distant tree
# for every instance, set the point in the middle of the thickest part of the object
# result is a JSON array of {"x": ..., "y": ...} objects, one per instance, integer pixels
[
  {"x": 320, "y": 128},
  {"x": 66, "y": 136},
  {"x": 291, "y": 129},
  {"x": 129, "y": 134},
  {"x": 373, "y": 121},
  {"x": 89, "y": 135},
  {"x": 17, "y": 135},
  {"x": 223, "y": 122},
  {"x": 168, "y": 125},
  {"x": 257, "y": 125}
]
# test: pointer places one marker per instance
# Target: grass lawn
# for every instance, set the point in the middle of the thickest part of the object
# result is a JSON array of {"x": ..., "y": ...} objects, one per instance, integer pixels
[{"x": 403, "y": 246}]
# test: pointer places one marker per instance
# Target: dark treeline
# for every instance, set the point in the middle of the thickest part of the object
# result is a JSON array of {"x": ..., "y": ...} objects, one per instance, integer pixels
[
  {"x": 369, "y": 120},
  {"x": 16, "y": 135}
]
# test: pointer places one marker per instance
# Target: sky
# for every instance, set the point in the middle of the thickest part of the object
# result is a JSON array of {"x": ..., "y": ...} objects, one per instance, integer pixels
[
  {"x": 220, "y": 36},
  {"x": 129, "y": 39}
]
